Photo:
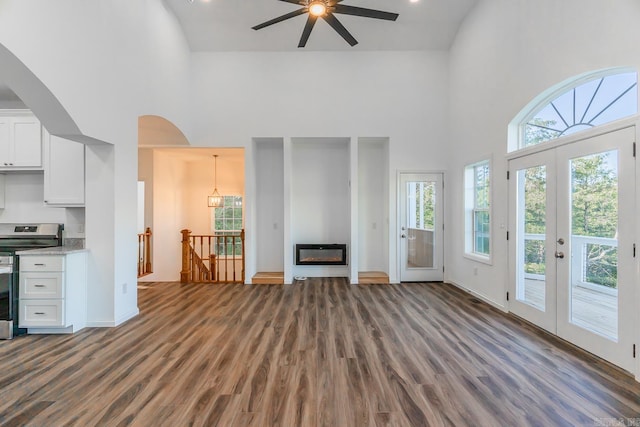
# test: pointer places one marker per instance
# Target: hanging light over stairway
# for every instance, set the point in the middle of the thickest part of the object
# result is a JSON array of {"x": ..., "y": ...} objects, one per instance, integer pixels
[{"x": 215, "y": 200}]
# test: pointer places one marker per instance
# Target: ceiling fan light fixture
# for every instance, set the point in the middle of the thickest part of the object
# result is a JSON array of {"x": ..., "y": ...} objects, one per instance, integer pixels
[
  {"x": 327, "y": 10},
  {"x": 317, "y": 8}
]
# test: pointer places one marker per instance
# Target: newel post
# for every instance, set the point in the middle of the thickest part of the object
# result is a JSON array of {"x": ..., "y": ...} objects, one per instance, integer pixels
[
  {"x": 186, "y": 265},
  {"x": 243, "y": 253},
  {"x": 147, "y": 250}
]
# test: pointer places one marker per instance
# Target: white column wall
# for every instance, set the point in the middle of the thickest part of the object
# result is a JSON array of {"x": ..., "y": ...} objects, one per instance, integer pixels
[
  {"x": 269, "y": 207},
  {"x": 373, "y": 206},
  {"x": 354, "y": 209}
]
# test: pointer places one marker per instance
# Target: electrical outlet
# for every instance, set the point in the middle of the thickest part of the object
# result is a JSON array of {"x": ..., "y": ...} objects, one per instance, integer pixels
[
  {"x": 124, "y": 288},
  {"x": 475, "y": 271}
]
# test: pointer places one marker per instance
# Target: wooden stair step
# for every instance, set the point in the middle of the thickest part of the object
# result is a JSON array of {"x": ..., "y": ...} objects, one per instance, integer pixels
[
  {"x": 268, "y": 278},
  {"x": 372, "y": 278}
]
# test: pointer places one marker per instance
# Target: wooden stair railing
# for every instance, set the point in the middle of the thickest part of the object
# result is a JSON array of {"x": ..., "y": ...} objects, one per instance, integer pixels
[
  {"x": 213, "y": 258},
  {"x": 200, "y": 271},
  {"x": 145, "y": 263}
]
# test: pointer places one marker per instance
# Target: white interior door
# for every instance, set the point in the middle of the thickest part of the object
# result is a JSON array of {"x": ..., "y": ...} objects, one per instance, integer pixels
[
  {"x": 572, "y": 261},
  {"x": 421, "y": 228}
]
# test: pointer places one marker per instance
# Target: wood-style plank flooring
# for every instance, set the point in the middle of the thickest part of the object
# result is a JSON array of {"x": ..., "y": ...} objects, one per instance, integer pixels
[{"x": 316, "y": 353}]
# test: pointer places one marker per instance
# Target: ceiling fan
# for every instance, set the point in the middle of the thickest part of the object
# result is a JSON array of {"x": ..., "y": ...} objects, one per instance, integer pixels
[{"x": 326, "y": 9}]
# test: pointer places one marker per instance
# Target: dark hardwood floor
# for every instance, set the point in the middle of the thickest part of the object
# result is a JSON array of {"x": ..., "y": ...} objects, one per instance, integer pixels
[{"x": 316, "y": 353}]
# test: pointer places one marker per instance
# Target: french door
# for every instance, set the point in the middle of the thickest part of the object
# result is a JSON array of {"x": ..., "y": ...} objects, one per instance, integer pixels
[
  {"x": 572, "y": 246},
  {"x": 421, "y": 231}
]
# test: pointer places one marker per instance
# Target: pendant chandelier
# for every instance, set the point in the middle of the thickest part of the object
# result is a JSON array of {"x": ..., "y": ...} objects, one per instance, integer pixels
[{"x": 215, "y": 200}]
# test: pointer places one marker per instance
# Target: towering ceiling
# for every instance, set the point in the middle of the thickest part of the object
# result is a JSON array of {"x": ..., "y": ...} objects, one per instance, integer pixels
[{"x": 225, "y": 25}]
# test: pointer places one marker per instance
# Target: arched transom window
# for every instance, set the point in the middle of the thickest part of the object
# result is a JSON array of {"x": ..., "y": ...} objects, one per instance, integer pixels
[{"x": 599, "y": 100}]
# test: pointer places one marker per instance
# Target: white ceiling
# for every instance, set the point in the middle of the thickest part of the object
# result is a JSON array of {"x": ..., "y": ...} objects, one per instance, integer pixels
[{"x": 225, "y": 25}]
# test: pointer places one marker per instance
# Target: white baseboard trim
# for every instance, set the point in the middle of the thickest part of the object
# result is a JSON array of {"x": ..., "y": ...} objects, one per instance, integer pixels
[
  {"x": 127, "y": 316},
  {"x": 479, "y": 295},
  {"x": 113, "y": 323},
  {"x": 101, "y": 324}
]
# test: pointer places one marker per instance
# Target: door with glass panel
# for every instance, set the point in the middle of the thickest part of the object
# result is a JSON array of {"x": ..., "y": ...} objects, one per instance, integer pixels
[
  {"x": 572, "y": 264},
  {"x": 421, "y": 230},
  {"x": 532, "y": 232}
]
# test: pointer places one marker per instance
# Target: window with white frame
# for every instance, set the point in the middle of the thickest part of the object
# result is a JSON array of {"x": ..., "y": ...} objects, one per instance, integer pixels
[
  {"x": 227, "y": 221},
  {"x": 477, "y": 179},
  {"x": 583, "y": 105}
]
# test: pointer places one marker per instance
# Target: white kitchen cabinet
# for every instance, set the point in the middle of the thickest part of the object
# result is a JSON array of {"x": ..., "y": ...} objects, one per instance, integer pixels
[
  {"x": 20, "y": 141},
  {"x": 53, "y": 293},
  {"x": 63, "y": 171},
  {"x": 2, "y": 190}
]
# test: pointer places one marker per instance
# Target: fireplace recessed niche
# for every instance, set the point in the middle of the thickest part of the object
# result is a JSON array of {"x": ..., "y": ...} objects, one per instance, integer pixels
[{"x": 317, "y": 254}]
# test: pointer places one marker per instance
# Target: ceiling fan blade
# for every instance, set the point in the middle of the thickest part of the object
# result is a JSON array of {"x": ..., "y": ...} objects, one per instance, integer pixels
[
  {"x": 281, "y": 18},
  {"x": 302, "y": 3},
  {"x": 367, "y": 13},
  {"x": 340, "y": 29},
  {"x": 311, "y": 21}
]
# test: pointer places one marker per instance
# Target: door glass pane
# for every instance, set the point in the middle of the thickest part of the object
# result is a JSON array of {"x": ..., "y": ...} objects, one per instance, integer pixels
[
  {"x": 532, "y": 201},
  {"x": 594, "y": 243},
  {"x": 421, "y": 211}
]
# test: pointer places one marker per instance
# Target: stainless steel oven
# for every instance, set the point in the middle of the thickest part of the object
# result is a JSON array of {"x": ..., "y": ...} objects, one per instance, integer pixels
[
  {"x": 18, "y": 237},
  {"x": 7, "y": 307}
]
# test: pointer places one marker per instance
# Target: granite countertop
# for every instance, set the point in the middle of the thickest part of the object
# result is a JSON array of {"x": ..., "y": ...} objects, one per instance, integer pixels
[{"x": 71, "y": 246}]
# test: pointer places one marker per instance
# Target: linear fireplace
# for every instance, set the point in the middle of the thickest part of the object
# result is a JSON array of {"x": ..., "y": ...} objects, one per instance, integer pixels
[{"x": 332, "y": 254}]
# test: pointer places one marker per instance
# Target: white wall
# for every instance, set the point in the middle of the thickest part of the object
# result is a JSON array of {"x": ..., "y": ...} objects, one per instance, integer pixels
[
  {"x": 145, "y": 174},
  {"x": 12, "y": 105},
  {"x": 269, "y": 224},
  {"x": 238, "y": 96},
  {"x": 170, "y": 186},
  {"x": 141, "y": 211},
  {"x": 373, "y": 206},
  {"x": 24, "y": 195},
  {"x": 200, "y": 184},
  {"x": 320, "y": 195},
  {"x": 506, "y": 53},
  {"x": 105, "y": 63}
]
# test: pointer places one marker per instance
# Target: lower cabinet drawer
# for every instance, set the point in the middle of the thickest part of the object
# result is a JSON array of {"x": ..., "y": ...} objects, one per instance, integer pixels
[
  {"x": 41, "y": 313},
  {"x": 41, "y": 285},
  {"x": 41, "y": 263}
]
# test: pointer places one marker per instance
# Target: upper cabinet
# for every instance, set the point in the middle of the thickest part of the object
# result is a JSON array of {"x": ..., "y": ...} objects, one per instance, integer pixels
[
  {"x": 63, "y": 171},
  {"x": 20, "y": 141}
]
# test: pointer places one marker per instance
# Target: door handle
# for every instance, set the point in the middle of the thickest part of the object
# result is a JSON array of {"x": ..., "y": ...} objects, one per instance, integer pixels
[
  {"x": 404, "y": 236},
  {"x": 561, "y": 241},
  {"x": 559, "y": 254}
]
